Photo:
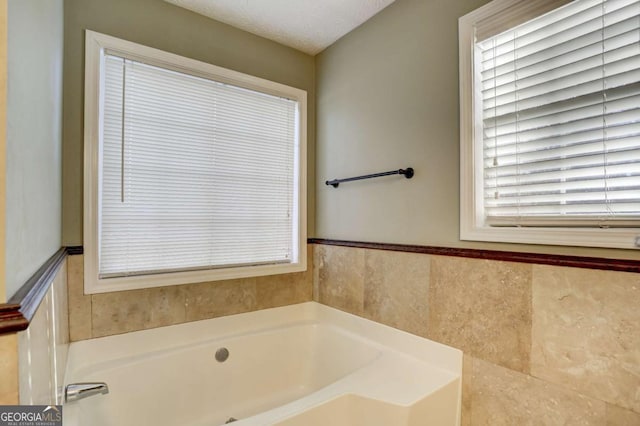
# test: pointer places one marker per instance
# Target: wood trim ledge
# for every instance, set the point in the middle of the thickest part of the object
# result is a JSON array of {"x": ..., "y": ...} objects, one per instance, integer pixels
[
  {"x": 624, "y": 265},
  {"x": 17, "y": 313}
]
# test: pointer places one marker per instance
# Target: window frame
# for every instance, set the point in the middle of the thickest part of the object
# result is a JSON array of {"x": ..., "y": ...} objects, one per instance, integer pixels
[
  {"x": 472, "y": 219},
  {"x": 96, "y": 44}
]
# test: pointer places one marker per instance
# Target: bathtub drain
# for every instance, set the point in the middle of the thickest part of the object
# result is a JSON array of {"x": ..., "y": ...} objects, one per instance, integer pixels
[{"x": 222, "y": 354}]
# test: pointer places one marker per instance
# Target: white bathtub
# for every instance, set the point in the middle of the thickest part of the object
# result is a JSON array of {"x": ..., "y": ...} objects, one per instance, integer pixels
[{"x": 300, "y": 365}]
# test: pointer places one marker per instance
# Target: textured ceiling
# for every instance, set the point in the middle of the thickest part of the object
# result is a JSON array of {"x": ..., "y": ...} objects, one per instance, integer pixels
[{"x": 307, "y": 25}]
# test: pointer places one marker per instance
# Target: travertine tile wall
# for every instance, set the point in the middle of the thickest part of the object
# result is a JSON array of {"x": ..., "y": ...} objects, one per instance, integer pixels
[
  {"x": 543, "y": 345},
  {"x": 33, "y": 361},
  {"x": 106, "y": 314},
  {"x": 43, "y": 347}
]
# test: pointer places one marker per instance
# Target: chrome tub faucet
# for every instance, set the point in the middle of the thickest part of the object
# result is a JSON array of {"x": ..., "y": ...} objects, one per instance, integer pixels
[{"x": 78, "y": 391}]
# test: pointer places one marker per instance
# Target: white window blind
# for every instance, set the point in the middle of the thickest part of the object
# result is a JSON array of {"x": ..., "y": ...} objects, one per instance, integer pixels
[
  {"x": 194, "y": 173},
  {"x": 560, "y": 109}
]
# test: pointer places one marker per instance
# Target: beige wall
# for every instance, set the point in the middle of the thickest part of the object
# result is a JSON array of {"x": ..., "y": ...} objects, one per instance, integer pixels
[
  {"x": 164, "y": 26},
  {"x": 34, "y": 137},
  {"x": 388, "y": 98},
  {"x": 543, "y": 345}
]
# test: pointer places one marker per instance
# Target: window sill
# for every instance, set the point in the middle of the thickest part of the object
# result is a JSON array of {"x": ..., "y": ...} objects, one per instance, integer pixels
[
  {"x": 94, "y": 285},
  {"x": 624, "y": 238}
]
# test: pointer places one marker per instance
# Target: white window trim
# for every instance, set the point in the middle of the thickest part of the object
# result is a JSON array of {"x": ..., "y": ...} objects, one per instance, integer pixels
[
  {"x": 472, "y": 224},
  {"x": 96, "y": 44}
]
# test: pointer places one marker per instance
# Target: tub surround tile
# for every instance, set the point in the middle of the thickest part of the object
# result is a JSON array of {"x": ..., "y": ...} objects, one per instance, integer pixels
[
  {"x": 60, "y": 326},
  {"x": 467, "y": 388},
  {"x": 36, "y": 354},
  {"x": 105, "y": 314},
  {"x": 586, "y": 332},
  {"x": 79, "y": 303},
  {"x": 482, "y": 307},
  {"x": 286, "y": 289},
  {"x": 220, "y": 298},
  {"x": 543, "y": 344},
  {"x": 282, "y": 290},
  {"x": 9, "y": 369},
  {"x": 60, "y": 295},
  {"x": 43, "y": 347},
  {"x": 617, "y": 416},
  {"x": 501, "y": 396},
  {"x": 396, "y": 289},
  {"x": 339, "y": 278},
  {"x": 125, "y": 311}
]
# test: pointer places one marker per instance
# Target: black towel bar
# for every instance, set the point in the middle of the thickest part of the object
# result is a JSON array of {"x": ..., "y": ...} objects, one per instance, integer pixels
[{"x": 408, "y": 173}]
